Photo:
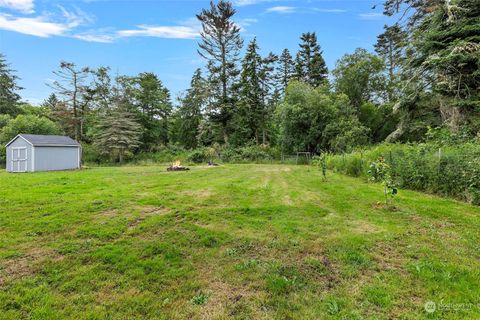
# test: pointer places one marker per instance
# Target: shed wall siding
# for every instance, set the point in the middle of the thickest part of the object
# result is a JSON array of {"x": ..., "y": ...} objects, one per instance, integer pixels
[
  {"x": 56, "y": 158},
  {"x": 19, "y": 143}
]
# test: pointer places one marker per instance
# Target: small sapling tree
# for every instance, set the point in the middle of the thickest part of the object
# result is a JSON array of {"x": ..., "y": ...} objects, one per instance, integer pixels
[
  {"x": 380, "y": 171},
  {"x": 321, "y": 162}
]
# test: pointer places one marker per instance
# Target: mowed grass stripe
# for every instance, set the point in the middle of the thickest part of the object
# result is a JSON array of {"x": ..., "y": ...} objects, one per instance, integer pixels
[{"x": 235, "y": 241}]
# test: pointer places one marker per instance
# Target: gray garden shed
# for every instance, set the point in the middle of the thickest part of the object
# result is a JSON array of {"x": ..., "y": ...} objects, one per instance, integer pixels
[{"x": 32, "y": 152}]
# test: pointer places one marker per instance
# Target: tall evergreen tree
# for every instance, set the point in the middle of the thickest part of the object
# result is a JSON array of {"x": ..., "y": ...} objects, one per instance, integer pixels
[
  {"x": 150, "y": 100},
  {"x": 72, "y": 88},
  {"x": 448, "y": 46},
  {"x": 285, "y": 69},
  {"x": 257, "y": 94},
  {"x": 310, "y": 65},
  {"x": 270, "y": 93},
  {"x": 118, "y": 133},
  {"x": 102, "y": 89},
  {"x": 251, "y": 94},
  {"x": 442, "y": 62},
  {"x": 390, "y": 46},
  {"x": 51, "y": 102},
  {"x": 220, "y": 45},
  {"x": 190, "y": 111},
  {"x": 9, "y": 98}
]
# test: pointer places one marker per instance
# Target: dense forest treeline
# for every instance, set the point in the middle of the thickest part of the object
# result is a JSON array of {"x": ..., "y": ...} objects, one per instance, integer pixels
[{"x": 424, "y": 73}]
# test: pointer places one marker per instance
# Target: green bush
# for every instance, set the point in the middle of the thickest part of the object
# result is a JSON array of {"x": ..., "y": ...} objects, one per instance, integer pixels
[
  {"x": 198, "y": 156},
  {"x": 91, "y": 155},
  {"x": 252, "y": 153},
  {"x": 454, "y": 172}
]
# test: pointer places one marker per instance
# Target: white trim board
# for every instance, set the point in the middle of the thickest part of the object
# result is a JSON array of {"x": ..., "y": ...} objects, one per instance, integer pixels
[{"x": 18, "y": 135}]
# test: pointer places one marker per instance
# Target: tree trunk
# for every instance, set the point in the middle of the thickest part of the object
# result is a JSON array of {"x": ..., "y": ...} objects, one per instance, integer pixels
[{"x": 120, "y": 155}]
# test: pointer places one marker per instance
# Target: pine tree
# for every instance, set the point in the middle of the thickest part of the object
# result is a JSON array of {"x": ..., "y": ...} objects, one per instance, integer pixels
[
  {"x": 220, "y": 45},
  {"x": 285, "y": 69},
  {"x": 8, "y": 86},
  {"x": 51, "y": 102},
  {"x": 270, "y": 93},
  {"x": 118, "y": 133},
  {"x": 248, "y": 120},
  {"x": 442, "y": 61},
  {"x": 150, "y": 101},
  {"x": 190, "y": 111},
  {"x": 449, "y": 47},
  {"x": 102, "y": 89},
  {"x": 310, "y": 65},
  {"x": 390, "y": 46},
  {"x": 71, "y": 87}
]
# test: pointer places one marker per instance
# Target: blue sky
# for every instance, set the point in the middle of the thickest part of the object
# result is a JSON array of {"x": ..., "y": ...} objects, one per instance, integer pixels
[{"x": 161, "y": 35}]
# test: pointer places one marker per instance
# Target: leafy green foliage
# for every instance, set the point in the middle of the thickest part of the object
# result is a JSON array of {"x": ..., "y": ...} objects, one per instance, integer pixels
[
  {"x": 27, "y": 124},
  {"x": 321, "y": 162},
  {"x": 380, "y": 171},
  {"x": 198, "y": 156},
  {"x": 452, "y": 171},
  {"x": 360, "y": 76},
  {"x": 313, "y": 119},
  {"x": 200, "y": 299}
]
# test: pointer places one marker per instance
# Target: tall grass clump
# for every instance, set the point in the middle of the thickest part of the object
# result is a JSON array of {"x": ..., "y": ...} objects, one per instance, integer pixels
[{"x": 447, "y": 170}]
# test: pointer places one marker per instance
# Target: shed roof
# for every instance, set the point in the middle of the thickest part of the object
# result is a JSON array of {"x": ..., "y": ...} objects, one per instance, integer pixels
[{"x": 38, "y": 140}]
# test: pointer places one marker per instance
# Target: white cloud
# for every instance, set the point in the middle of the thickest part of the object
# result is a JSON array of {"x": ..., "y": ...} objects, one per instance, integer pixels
[
  {"x": 45, "y": 25},
  {"x": 329, "y": 10},
  {"x": 25, "y": 6},
  {"x": 249, "y": 2},
  {"x": 38, "y": 26},
  {"x": 281, "y": 9},
  {"x": 76, "y": 17},
  {"x": 102, "y": 38},
  {"x": 170, "y": 32},
  {"x": 371, "y": 16},
  {"x": 243, "y": 23}
]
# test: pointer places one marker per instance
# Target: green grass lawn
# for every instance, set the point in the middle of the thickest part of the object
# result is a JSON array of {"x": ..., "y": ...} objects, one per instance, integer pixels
[{"x": 236, "y": 241}]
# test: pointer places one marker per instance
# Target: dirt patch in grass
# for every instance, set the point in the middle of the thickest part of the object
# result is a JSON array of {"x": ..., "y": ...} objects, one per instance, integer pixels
[
  {"x": 229, "y": 300},
  {"x": 110, "y": 213},
  {"x": 364, "y": 227},
  {"x": 146, "y": 212},
  {"x": 287, "y": 200},
  {"x": 203, "y": 193},
  {"x": 388, "y": 258},
  {"x": 383, "y": 206},
  {"x": 26, "y": 264}
]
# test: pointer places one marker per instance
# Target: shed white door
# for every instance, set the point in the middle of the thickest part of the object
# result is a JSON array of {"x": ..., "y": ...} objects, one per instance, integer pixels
[{"x": 19, "y": 159}]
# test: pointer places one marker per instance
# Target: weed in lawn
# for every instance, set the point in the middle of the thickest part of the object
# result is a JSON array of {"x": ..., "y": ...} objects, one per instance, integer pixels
[{"x": 200, "y": 299}]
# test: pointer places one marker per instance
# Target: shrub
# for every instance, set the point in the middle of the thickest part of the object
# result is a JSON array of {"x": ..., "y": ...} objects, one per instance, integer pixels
[
  {"x": 252, "y": 153},
  {"x": 321, "y": 162},
  {"x": 380, "y": 171},
  {"x": 453, "y": 170},
  {"x": 198, "y": 156},
  {"x": 28, "y": 124}
]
